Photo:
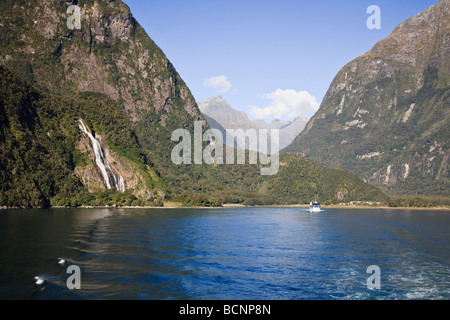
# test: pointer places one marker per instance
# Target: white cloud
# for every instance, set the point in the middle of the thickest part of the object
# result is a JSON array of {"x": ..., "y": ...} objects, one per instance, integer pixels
[
  {"x": 220, "y": 82},
  {"x": 286, "y": 104}
]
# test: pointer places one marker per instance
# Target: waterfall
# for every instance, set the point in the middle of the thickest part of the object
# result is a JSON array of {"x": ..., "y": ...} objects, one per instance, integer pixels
[
  {"x": 111, "y": 179},
  {"x": 121, "y": 185}
]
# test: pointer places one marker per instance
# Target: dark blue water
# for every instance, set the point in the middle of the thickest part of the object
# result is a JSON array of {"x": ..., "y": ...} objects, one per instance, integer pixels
[{"x": 239, "y": 253}]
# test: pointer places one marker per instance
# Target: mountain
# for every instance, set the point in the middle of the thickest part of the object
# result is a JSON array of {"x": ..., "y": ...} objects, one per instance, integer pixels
[
  {"x": 87, "y": 117},
  {"x": 224, "y": 116},
  {"x": 46, "y": 160},
  {"x": 386, "y": 114},
  {"x": 289, "y": 131},
  {"x": 277, "y": 124},
  {"x": 111, "y": 56},
  {"x": 228, "y": 117},
  {"x": 49, "y": 153}
]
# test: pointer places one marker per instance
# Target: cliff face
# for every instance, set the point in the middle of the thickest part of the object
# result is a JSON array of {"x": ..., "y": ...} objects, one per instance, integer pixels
[
  {"x": 91, "y": 176},
  {"x": 110, "y": 54},
  {"x": 47, "y": 159},
  {"x": 385, "y": 116},
  {"x": 111, "y": 75}
]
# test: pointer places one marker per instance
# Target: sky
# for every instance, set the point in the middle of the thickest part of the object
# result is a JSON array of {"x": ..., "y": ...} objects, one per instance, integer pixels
[{"x": 273, "y": 59}]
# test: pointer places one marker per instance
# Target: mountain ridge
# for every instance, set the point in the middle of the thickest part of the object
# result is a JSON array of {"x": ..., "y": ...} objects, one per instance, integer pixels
[
  {"x": 227, "y": 117},
  {"x": 118, "y": 81},
  {"x": 385, "y": 113},
  {"x": 110, "y": 54}
]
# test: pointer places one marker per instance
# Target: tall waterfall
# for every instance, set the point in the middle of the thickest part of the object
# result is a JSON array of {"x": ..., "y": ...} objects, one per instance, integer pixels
[{"x": 111, "y": 179}]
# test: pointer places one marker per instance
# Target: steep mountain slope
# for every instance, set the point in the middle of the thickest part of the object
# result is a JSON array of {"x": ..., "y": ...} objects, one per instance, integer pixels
[
  {"x": 288, "y": 132},
  {"x": 111, "y": 55},
  {"x": 111, "y": 77},
  {"x": 385, "y": 116},
  {"x": 46, "y": 160}
]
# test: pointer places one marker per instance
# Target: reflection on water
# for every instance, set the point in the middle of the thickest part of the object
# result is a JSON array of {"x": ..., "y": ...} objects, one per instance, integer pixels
[{"x": 240, "y": 253}]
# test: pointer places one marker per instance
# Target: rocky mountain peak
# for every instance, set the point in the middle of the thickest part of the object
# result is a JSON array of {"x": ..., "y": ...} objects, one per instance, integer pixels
[
  {"x": 110, "y": 54},
  {"x": 385, "y": 110},
  {"x": 222, "y": 116},
  {"x": 221, "y": 111}
]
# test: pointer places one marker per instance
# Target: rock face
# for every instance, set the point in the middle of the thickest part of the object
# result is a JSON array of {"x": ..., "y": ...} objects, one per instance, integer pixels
[
  {"x": 91, "y": 176},
  {"x": 289, "y": 131},
  {"x": 221, "y": 111},
  {"x": 111, "y": 74},
  {"x": 385, "y": 116},
  {"x": 110, "y": 54},
  {"x": 220, "y": 115}
]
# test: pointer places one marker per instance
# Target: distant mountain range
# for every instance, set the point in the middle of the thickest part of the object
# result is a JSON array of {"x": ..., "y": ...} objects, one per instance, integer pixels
[
  {"x": 222, "y": 116},
  {"x": 386, "y": 114}
]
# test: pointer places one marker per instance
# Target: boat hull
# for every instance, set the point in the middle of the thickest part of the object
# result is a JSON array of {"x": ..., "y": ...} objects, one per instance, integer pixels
[{"x": 314, "y": 207}]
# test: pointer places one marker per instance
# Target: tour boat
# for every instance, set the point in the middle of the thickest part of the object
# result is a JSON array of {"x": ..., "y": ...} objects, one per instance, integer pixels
[{"x": 314, "y": 207}]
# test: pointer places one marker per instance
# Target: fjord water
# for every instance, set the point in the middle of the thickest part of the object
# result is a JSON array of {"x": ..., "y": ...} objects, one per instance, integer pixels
[{"x": 236, "y": 253}]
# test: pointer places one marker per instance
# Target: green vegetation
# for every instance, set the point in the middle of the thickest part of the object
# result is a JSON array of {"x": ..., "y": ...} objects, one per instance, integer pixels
[
  {"x": 414, "y": 202},
  {"x": 38, "y": 156},
  {"x": 38, "y": 136},
  {"x": 109, "y": 198},
  {"x": 419, "y": 140},
  {"x": 386, "y": 119},
  {"x": 302, "y": 180},
  {"x": 42, "y": 73},
  {"x": 299, "y": 180}
]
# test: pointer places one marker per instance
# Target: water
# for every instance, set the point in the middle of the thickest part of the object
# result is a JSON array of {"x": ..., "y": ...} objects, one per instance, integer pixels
[{"x": 239, "y": 253}]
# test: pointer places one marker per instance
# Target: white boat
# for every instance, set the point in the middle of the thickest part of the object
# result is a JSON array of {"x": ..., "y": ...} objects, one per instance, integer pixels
[{"x": 314, "y": 207}]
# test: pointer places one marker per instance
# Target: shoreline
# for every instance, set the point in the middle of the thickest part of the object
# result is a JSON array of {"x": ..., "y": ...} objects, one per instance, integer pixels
[
  {"x": 335, "y": 206},
  {"x": 231, "y": 206}
]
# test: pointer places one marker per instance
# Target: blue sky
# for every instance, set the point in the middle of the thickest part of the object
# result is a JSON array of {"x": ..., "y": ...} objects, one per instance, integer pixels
[{"x": 271, "y": 59}]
